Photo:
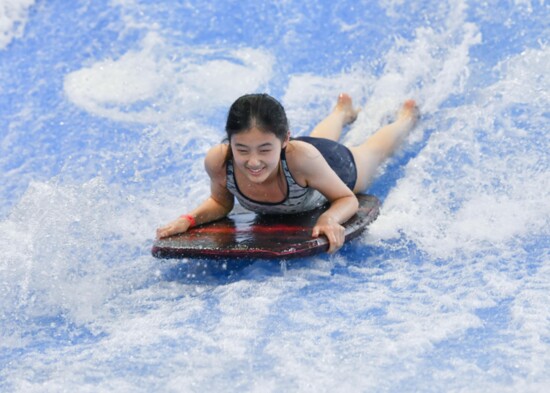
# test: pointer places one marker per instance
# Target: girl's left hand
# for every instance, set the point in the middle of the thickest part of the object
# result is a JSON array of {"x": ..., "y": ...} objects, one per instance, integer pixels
[{"x": 334, "y": 232}]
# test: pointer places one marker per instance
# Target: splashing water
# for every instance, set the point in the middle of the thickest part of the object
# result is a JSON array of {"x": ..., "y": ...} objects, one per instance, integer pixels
[{"x": 106, "y": 111}]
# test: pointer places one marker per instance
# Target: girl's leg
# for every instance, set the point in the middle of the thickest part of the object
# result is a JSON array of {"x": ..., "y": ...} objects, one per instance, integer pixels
[
  {"x": 343, "y": 114},
  {"x": 382, "y": 144}
]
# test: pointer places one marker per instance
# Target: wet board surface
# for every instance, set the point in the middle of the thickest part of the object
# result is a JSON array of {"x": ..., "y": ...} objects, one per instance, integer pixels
[{"x": 243, "y": 234}]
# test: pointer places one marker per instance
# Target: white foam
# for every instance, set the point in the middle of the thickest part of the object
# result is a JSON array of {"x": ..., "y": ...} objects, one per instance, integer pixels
[
  {"x": 429, "y": 68},
  {"x": 456, "y": 198},
  {"x": 163, "y": 83},
  {"x": 56, "y": 248},
  {"x": 13, "y": 18},
  {"x": 309, "y": 98},
  {"x": 525, "y": 79},
  {"x": 383, "y": 324},
  {"x": 528, "y": 4}
]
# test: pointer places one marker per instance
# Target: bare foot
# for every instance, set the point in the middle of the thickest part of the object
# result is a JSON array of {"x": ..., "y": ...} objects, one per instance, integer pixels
[
  {"x": 345, "y": 106},
  {"x": 409, "y": 112}
]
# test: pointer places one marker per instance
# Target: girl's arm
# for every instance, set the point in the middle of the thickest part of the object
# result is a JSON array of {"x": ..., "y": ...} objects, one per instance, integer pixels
[
  {"x": 217, "y": 206},
  {"x": 309, "y": 167}
]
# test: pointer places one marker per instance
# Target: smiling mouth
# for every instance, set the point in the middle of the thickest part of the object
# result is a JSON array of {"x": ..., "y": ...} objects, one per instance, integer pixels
[{"x": 255, "y": 172}]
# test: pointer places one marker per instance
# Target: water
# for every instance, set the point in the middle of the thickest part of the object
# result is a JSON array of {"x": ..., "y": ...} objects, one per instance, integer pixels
[{"x": 106, "y": 111}]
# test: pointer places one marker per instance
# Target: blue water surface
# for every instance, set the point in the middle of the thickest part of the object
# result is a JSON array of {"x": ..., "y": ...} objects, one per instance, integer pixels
[{"x": 107, "y": 109}]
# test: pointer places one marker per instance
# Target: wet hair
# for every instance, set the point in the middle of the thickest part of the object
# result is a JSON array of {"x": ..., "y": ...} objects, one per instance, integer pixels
[{"x": 256, "y": 110}]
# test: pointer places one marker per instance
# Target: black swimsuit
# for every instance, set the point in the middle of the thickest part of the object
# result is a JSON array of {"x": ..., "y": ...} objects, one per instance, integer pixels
[
  {"x": 338, "y": 156},
  {"x": 298, "y": 198}
]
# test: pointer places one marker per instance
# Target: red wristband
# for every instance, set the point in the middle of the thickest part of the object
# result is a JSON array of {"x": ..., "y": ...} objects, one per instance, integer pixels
[{"x": 189, "y": 218}]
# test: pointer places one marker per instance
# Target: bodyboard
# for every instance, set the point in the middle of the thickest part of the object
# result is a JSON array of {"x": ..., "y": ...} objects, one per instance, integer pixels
[{"x": 244, "y": 234}]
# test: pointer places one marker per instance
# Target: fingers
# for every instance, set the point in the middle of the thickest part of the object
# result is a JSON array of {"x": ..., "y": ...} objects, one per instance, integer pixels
[
  {"x": 315, "y": 232},
  {"x": 336, "y": 241},
  {"x": 163, "y": 232},
  {"x": 178, "y": 226},
  {"x": 335, "y": 235}
]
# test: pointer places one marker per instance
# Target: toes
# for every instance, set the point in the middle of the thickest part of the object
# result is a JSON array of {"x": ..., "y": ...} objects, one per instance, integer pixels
[
  {"x": 345, "y": 104},
  {"x": 410, "y": 110}
]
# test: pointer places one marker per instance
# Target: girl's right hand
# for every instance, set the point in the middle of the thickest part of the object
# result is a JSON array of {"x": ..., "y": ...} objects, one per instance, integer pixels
[{"x": 177, "y": 226}]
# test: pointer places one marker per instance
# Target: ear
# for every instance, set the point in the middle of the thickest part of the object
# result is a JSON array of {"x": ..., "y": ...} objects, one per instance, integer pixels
[{"x": 287, "y": 139}]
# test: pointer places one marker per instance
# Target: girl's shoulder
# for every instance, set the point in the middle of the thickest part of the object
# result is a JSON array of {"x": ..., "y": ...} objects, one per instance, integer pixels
[
  {"x": 300, "y": 152},
  {"x": 302, "y": 159},
  {"x": 215, "y": 160}
]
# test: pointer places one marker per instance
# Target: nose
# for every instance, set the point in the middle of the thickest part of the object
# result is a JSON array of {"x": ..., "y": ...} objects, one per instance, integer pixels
[{"x": 253, "y": 161}]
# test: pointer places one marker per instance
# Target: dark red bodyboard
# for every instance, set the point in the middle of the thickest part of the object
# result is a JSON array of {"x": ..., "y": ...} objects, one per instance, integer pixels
[{"x": 243, "y": 234}]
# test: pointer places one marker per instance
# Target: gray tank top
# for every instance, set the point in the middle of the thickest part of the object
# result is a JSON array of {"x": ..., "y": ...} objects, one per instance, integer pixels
[{"x": 298, "y": 199}]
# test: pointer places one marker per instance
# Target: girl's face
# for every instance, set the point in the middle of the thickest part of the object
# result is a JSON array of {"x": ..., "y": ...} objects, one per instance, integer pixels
[{"x": 257, "y": 154}]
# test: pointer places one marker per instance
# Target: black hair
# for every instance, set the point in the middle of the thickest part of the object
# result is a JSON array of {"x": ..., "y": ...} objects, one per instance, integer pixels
[{"x": 257, "y": 110}]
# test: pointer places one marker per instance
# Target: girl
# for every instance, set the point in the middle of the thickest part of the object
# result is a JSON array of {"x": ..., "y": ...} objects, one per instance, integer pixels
[{"x": 269, "y": 172}]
